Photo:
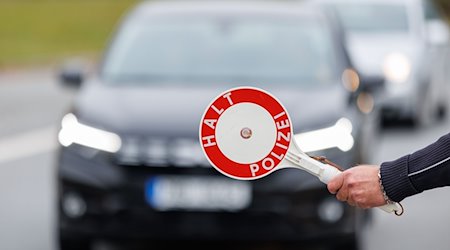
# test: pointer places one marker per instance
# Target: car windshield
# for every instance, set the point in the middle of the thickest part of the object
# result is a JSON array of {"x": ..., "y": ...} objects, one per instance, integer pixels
[
  {"x": 203, "y": 50},
  {"x": 376, "y": 17}
]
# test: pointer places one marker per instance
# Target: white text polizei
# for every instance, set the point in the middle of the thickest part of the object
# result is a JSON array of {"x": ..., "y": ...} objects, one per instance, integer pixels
[{"x": 283, "y": 140}]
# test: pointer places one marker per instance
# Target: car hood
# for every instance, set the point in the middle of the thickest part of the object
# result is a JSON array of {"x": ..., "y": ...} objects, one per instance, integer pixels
[
  {"x": 368, "y": 51},
  {"x": 176, "y": 110}
]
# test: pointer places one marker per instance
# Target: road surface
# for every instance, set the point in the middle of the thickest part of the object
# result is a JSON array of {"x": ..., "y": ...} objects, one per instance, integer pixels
[{"x": 31, "y": 104}]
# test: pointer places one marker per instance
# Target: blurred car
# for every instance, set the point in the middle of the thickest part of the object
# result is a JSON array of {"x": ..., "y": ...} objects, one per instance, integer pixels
[
  {"x": 130, "y": 165},
  {"x": 406, "y": 42}
]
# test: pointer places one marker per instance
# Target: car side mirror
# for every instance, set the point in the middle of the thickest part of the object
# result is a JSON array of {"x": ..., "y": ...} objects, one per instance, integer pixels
[
  {"x": 367, "y": 84},
  {"x": 438, "y": 33},
  {"x": 72, "y": 73},
  {"x": 354, "y": 81}
]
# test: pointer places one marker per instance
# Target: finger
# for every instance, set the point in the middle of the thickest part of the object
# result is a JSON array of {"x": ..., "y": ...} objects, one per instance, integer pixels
[
  {"x": 350, "y": 200},
  {"x": 335, "y": 184},
  {"x": 342, "y": 194}
]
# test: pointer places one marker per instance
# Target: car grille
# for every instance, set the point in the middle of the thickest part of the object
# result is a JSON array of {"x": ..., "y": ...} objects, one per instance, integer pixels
[{"x": 155, "y": 152}]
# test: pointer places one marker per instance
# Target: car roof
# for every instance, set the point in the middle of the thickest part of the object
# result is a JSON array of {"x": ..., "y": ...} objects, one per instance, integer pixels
[
  {"x": 224, "y": 7},
  {"x": 413, "y": 9}
]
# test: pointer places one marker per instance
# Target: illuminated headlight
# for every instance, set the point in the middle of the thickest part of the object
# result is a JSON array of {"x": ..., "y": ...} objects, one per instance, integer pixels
[
  {"x": 339, "y": 135},
  {"x": 396, "y": 67},
  {"x": 74, "y": 132}
]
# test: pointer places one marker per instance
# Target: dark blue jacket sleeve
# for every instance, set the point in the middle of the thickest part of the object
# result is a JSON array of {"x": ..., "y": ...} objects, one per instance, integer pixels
[{"x": 424, "y": 169}]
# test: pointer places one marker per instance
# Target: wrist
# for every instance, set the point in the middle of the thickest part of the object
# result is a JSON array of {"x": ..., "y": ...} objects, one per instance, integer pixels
[{"x": 383, "y": 191}]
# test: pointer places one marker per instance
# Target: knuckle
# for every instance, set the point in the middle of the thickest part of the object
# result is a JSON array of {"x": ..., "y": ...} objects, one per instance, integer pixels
[
  {"x": 361, "y": 201},
  {"x": 359, "y": 198},
  {"x": 352, "y": 181},
  {"x": 354, "y": 194},
  {"x": 347, "y": 174}
]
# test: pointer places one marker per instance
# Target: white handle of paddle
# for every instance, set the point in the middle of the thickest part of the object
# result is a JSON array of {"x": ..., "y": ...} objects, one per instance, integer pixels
[{"x": 328, "y": 172}]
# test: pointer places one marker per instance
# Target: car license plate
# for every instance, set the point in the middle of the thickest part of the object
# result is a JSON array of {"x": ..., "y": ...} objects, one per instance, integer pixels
[{"x": 197, "y": 193}]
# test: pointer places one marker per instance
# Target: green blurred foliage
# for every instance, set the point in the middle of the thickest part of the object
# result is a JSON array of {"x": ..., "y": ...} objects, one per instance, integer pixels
[{"x": 41, "y": 31}]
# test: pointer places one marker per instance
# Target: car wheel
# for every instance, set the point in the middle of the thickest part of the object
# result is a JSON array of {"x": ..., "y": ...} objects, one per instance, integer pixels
[{"x": 442, "y": 112}]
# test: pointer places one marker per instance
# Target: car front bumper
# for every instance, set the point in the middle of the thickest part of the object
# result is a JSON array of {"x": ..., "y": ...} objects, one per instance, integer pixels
[
  {"x": 399, "y": 101},
  {"x": 116, "y": 208}
]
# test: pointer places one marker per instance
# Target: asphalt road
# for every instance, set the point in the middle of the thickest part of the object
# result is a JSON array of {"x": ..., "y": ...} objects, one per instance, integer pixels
[
  {"x": 31, "y": 104},
  {"x": 425, "y": 223}
]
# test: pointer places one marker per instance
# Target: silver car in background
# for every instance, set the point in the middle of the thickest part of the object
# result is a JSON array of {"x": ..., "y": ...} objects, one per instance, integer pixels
[{"x": 407, "y": 43}]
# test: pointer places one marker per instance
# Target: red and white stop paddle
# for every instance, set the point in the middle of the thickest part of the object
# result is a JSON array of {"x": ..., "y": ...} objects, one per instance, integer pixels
[{"x": 246, "y": 134}]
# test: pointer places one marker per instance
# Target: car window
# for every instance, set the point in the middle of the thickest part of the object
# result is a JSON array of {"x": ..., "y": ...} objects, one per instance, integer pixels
[
  {"x": 240, "y": 50},
  {"x": 373, "y": 17}
]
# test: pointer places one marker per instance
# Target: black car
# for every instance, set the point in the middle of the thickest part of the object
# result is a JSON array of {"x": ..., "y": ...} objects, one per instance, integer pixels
[{"x": 131, "y": 169}]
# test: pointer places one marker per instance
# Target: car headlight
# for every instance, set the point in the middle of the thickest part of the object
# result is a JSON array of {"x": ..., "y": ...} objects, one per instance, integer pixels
[
  {"x": 339, "y": 135},
  {"x": 396, "y": 67},
  {"x": 73, "y": 131}
]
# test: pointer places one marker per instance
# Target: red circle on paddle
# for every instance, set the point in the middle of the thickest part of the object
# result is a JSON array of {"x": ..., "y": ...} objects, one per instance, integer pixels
[{"x": 274, "y": 116}]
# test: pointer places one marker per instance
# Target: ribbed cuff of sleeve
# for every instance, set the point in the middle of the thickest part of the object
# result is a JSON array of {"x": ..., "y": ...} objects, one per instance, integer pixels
[{"x": 395, "y": 180}]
